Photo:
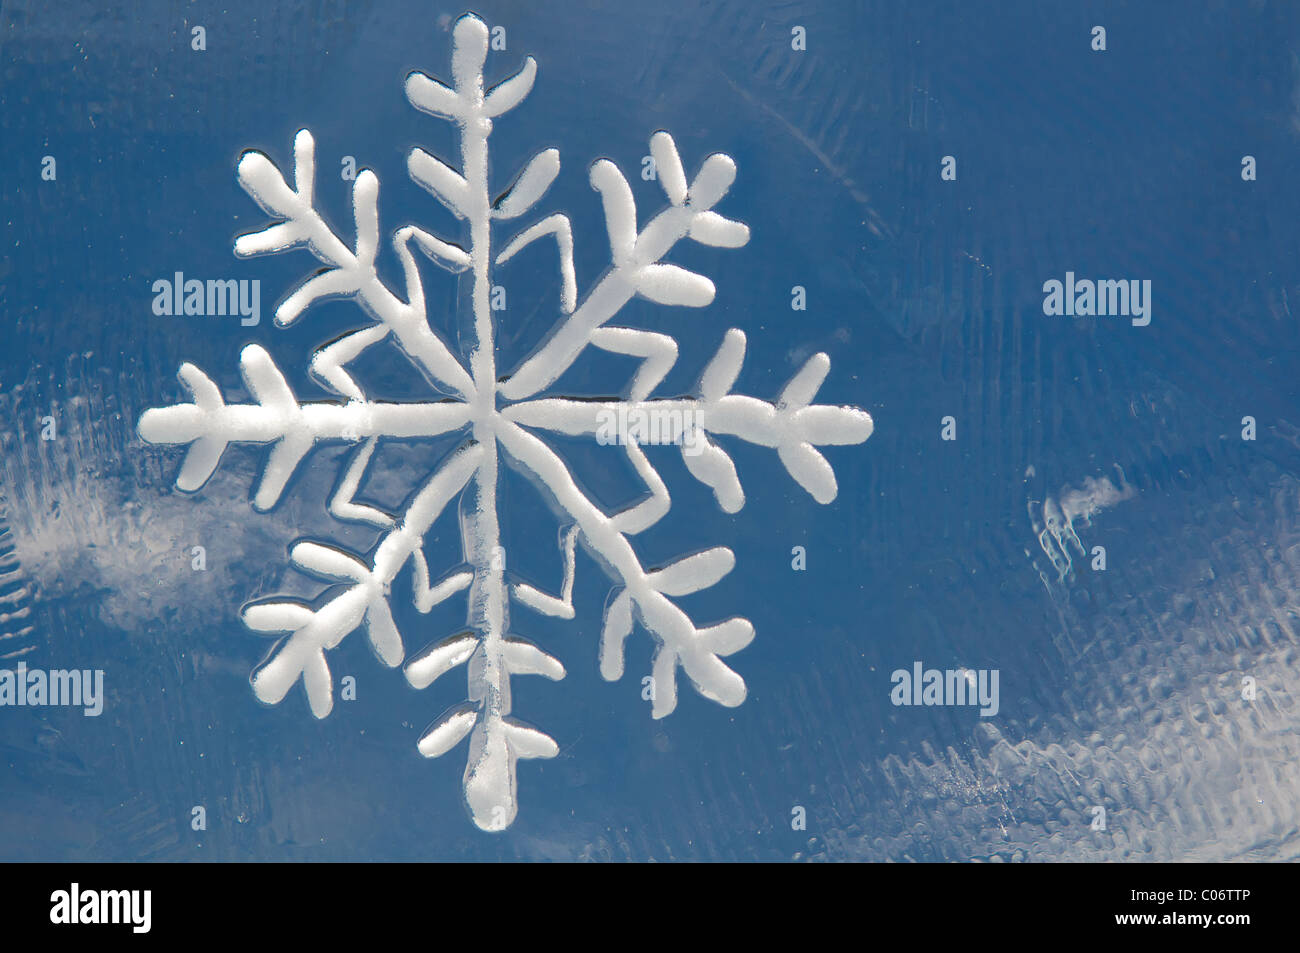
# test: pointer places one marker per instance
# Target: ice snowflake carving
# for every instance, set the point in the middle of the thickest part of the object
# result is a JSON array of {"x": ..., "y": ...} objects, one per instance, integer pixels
[{"x": 504, "y": 420}]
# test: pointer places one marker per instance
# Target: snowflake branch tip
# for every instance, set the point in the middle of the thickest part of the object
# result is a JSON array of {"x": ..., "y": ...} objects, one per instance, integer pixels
[
  {"x": 613, "y": 635},
  {"x": 636, "y": 256},
  {"x": 728, "y": 638},
  {"x": 210, "y": 425},
  {"x": 524, "y": 658},
  {"x": 439, "y": 659},
  {"x": 680, "y": 642},
  {"x": 668, "y": 167},
  {"x": 674, "y": 286},
  {"x": 351, "y": 272},
  {"x": 470, "y": 43},
  {"x": 661, "y": 283},
  {"x": 184, "y": 423},
  {"x": 469, "y": 49},
  {"x": 430, "y": 96},
  {"x": 440, "y": 180},
  {"x": 448, "y": 731},
  {"x": 364, "y": 601},
  {"x": 264, "y": 183},
  {"x": 294, "y": 658},
  {"x": 302, "y": 653},
  {"x": 693, "y": 573},
  {"x": 508, "y": 94},
  {"x": 529, "y": 186},
  {"x": 496, "y": 744},
  {"x": 721, "y": 372}
]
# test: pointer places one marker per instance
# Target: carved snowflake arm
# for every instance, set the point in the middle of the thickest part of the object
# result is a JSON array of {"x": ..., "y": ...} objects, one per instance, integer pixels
[
  {"x": 342, "y": 504},
  {"x": 496, "y": 740},
  {"x": 365, "y": 601},
  {"x": 427, "y": 594},
  {"x": 696, "y": 650},
  {"x": 633, "y": 520},
  {"x": 557, "y": 225},
  {"x": 352, "y": 272},
  {"x": 699, "y": 653},
  {"x": 529, "y": 186},
  {"x": 643, "y": 515},
  {"x": 466, "y": 104},
  {"x": 210, "y": 424},
  {"x": 329, "y": 361},
  {"x": 658, "y": 351},
  {"x": 543, "y": 603},
  {"x": 636, "y": 256},
  {"x": 465, "y": 100},
  {"x": 793, "y": 426}
]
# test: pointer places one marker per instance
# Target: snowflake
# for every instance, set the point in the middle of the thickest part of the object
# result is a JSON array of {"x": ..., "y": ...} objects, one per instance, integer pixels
[{"x": 503, "y": 420}]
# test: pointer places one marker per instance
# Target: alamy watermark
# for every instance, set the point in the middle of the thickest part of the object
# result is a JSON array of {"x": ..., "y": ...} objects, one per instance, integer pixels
[
  {"x": 133, "y": 908},
  {"x": 214, "y": 297},
  {"x": 627, "y": 424},
  {"x": 1128, "y": 298},
  {"x": 960, "y": 686},
  {"x": 36, "y": 688}
]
